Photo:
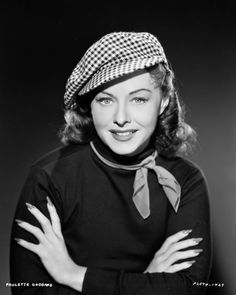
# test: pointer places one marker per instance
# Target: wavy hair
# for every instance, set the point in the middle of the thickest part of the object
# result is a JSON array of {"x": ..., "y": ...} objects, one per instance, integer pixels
[{"x": 172, "y": 135}]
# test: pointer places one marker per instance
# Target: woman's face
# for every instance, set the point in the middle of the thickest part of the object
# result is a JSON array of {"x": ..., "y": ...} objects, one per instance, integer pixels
[{"x": 125, "y": 114}]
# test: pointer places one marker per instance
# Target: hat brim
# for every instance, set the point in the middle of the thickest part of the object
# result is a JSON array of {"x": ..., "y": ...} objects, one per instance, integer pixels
[{"x": 113, "y": 71}]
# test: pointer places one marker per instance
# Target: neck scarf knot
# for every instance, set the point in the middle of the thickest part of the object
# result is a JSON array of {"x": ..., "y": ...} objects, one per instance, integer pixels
[{"x": 140, "y": 197}]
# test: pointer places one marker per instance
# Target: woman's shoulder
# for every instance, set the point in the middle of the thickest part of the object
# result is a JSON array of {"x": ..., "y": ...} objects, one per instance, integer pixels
[
  {"x": 182, "y": 168},
  {"x": 63, "y": 157}
]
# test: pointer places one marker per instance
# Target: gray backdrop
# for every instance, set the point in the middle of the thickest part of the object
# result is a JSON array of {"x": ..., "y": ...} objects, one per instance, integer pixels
[{"x": 41, "y": 41}]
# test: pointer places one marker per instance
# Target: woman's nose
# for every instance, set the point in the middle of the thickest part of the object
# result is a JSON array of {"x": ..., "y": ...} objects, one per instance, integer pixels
[{"x": 121, "y": 116}]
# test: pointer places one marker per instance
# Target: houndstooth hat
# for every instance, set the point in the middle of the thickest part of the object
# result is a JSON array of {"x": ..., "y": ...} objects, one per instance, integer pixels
[{"x": 114, "y": 55}]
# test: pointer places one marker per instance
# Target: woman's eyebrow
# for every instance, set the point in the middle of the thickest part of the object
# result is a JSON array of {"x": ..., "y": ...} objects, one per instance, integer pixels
[
  {"x": 107, "y": 93},
  {"x": 132, "y": 92},
  {"x": 140, "y": 89}
]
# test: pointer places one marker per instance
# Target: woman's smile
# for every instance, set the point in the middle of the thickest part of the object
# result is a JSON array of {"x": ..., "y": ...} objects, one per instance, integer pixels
[{"x": 123, "y": 135}]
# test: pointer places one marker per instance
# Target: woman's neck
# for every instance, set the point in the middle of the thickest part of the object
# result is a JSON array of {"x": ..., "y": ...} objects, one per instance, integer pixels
[{"x": 106, "y": 152}]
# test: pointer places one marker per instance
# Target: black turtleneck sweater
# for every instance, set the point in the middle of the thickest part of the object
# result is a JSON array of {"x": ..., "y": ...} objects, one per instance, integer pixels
[{"x": 103, "y": 229}]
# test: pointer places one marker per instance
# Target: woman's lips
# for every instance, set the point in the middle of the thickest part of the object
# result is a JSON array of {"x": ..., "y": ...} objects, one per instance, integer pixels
[{"x": 123, "y": 135}]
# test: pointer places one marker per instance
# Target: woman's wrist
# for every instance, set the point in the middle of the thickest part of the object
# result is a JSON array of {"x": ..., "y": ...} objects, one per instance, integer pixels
[{"x": 75, "y": 277}]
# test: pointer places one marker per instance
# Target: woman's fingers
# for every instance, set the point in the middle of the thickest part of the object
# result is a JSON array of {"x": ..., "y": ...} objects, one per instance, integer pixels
[
  {"x": 173, "y": 239},
  {"x": 56, "y": 224},
  {"x": 32, "y": 229},
  {"x": 43, "y": 220},
  {"x": 181, "y": 245},
  {"x": 180, "y": 266},
  {"x": 182, "y": 255},
  {"x": 30, "y": 246},
  {"x": 173, "y": 250},
  {"x": 49, "y": 228},
  {"x": 52, "y": 248}
]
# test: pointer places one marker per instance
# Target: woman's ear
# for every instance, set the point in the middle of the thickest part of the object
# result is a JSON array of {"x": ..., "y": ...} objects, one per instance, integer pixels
[{"x": 164, "y": 104}]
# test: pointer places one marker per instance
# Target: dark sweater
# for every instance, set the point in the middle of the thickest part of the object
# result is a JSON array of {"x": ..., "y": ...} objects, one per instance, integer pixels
[{"x": 103, "y": 229}]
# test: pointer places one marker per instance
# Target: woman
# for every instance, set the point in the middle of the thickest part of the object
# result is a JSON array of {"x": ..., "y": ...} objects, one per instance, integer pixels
[{"x": 117, "y": 210}]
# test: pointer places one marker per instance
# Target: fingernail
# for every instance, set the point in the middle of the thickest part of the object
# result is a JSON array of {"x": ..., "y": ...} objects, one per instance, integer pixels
[
  {"x": 29, "y": 206},
  {"x": 17, "y": 240},
  {"x": 49, "y": 201},
  {"x": 18, "y": 221},
  {"x": 197, "y": 240},
  {"x": 191, "y": 262},
  {"x": 187, "y": 231},
  {"x": 198, "y": 251}
]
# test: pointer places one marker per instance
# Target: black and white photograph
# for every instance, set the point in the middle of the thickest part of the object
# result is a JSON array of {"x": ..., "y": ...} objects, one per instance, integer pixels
[{"x": 118, "y": 166}]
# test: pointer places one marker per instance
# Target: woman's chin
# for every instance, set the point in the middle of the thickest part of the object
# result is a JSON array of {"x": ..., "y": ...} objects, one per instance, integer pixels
[
  {"x": 126, "y": 149},
  {"x": 123, "y": 149}
]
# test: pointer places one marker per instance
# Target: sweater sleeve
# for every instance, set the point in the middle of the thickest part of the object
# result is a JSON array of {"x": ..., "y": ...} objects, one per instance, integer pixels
[
  {"x": 193, "y": 214},
  {"x": 26, "y": 269}
]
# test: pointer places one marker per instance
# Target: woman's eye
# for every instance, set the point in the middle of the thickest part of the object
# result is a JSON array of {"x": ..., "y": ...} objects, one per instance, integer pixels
[
  {"x": 104, "y": 100},
  {"x": 139, "y": 100}
]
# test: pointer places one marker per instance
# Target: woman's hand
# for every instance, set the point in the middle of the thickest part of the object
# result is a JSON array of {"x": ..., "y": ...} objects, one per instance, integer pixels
[
  {"x": 171, "y": 251},
  {"x": 52, "y": 248}
]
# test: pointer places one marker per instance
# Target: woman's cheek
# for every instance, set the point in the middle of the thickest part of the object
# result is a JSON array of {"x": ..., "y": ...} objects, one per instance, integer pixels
[
  {"x": 147, "y": 117},
  {"x": 101, "y": 117}
]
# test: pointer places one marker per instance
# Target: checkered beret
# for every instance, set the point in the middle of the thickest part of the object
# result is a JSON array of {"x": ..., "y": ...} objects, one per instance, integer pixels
[{"x": 111, "y": 57}]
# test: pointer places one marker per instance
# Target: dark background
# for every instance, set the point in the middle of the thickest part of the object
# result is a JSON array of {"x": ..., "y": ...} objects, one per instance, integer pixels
[{"x": 41, "y": 41}]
